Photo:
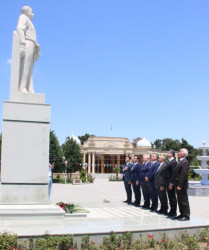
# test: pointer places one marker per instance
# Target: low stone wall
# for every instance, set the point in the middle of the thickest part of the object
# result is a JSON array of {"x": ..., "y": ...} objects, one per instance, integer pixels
[{"x": 75, "y": 175}]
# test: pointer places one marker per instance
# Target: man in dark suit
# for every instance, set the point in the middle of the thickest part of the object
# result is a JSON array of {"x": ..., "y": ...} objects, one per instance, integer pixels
[
  {"x": 144, "y": 184},
  {"x": 150, "y": 178},
  {"x": 180, "y": 182},
  {"x": 168, "y": 175},
  {"x": 126, "y": 171},
  {"x": 159, "y": 184},
  {"x": 135, "y": 181}
]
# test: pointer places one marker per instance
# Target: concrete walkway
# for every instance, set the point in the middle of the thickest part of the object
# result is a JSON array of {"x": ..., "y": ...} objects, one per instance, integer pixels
[
  {"x": 107, "y": 212},
  {"x": 103, "y": 193}
]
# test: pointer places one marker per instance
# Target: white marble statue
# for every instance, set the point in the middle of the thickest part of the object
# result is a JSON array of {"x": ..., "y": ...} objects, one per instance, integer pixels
[{"x": 29, "y": 49}]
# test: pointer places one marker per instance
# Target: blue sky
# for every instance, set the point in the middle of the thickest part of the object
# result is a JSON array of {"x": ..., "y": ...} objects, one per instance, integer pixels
[{"x": 140, "y": 65}]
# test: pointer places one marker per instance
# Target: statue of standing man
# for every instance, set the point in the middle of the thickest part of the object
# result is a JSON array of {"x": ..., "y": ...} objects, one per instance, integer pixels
[{"x": 29, "y": 49}]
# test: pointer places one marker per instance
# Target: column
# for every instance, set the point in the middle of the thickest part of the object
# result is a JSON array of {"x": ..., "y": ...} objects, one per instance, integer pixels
[
  {"x": 93, "y": 163},
  {"x": 84, "y": 160},
  {"x": 102, "y": 160},
  {"x": 89, "y": 163},
  {"x": 118, "y": 159}
]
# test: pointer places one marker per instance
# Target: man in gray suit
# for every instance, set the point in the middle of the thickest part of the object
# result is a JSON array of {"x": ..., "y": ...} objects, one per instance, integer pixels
[
  {"x": 126, "y": 171},
  {"x": 180, "y": 182},
  {"x": 159, "y": 184}
]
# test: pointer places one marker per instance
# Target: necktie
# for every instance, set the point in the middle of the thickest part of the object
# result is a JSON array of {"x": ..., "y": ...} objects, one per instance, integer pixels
[{"x": 159, "y": 167}]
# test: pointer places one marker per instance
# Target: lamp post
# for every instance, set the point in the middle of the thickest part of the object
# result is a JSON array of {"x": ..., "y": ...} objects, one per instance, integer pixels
[
  {"x": 86, "y": 172},
  {"x": 65, "y": 162}
]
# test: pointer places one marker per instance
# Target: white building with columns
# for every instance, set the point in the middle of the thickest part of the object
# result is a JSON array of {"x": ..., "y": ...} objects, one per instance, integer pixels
[{"x": 101, "y": 154}]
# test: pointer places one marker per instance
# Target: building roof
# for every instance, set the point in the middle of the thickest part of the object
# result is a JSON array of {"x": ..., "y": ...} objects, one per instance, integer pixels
[
  {"x": 144, "y": 143},
  {"x": 75, "y": 138}
]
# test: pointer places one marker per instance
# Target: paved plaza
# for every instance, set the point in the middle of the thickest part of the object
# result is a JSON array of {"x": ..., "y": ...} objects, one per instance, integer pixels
[
  {"x": 107, "y": 212},
  {"x": 105, "y": 197}
]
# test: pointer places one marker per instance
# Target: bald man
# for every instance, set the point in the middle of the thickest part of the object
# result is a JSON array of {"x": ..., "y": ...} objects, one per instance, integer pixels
[{"x": 180, "y": 182}]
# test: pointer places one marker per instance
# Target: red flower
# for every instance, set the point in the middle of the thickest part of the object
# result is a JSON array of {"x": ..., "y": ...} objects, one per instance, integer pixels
[
  {"x": 11, "y": 248},
  {"x": 93, "y": 243},
  {"x": 162, "y": 240}
]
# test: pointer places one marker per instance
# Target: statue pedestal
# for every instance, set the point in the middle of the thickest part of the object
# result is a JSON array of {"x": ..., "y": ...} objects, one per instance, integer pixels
[
  {"x": 25, "y": 153},
  {"x": 38, "y": 213}
]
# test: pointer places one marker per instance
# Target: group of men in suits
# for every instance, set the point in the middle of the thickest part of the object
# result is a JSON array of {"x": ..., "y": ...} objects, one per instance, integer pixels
[{"x": 157, "y": 179}]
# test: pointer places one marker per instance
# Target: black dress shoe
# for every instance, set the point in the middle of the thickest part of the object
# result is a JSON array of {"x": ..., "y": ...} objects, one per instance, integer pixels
[
  {"x": 153, "y": 210},
  {"x": 184, "y": 218},
  {"x": 145, "y": 207},
  {"x": 129, "y": 203},
  {"x": 165, "y": 213},
  {"x": 177, "y": 217},
  {"x": 171, "y": 215},
  {"x": 160, "y": 211},
  {"x": 137, "y": 205},
  {"x": 125, "y": 201}
]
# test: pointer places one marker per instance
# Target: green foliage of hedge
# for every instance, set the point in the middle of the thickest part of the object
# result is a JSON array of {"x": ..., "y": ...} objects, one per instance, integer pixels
[
  {"x": 115, "y": 178},
  {"x": 113, "y": 241},
  {"x": 8, "y": 240},
  {"x": 83, "y": 175}
]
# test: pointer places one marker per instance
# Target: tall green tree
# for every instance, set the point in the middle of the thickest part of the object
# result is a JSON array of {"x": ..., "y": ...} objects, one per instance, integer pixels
[
  {"x": 55, "y": 152},
  {"x": 84, "y": 138},
  {"x": 157, "y": 143},
  {"x": 72, "y": 153},
  {"x": 167, "y": 143}
]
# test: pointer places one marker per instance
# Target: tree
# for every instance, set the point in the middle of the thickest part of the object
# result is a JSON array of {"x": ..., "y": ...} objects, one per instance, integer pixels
[
  {"x": 167, "y": 143},
  {"x": 84, "y": 138},
  {"x": 71, "y": 150},
  {"x": 117, "y": 171},
  {"x": 135, "y": 140},
  {"x": 56, "y": 153},
  {"x": 157, "y": 143},
  {"x": 83, "y": 175}
]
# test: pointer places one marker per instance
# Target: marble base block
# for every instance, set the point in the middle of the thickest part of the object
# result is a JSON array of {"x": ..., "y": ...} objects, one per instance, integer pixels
[
  {"x": 21, "y": 194},
  {"x": 196, "y": 189},
  {"x": 25, "y": 153},
  {"x": 28, "y": 98},
  {"x": 35, "y": 213}
]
